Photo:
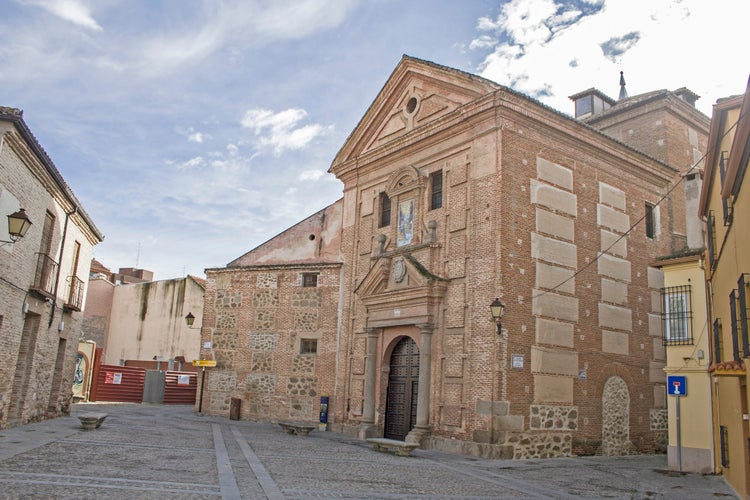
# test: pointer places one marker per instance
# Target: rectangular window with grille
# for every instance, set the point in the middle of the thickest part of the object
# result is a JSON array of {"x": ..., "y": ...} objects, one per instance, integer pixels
[
  {"x": 725, "y": 203},
  {"x": 309, "y": 280},
  {"x": 384, "y": 210},
  {"x": 724, "y": 438},
  {"x": 711, "y": 237},
  {"x": 742, "y": 285},
  {"x": 676, "y": 315},
  {"x": 436, "y": 190},
  {"x": 308, "y": 346},
  {"x": 718, "y": 343},
  {"x": 735, "y": 334}
]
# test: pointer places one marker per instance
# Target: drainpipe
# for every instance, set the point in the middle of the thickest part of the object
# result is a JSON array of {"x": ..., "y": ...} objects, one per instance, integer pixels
[{"x": 59, "y": 265}]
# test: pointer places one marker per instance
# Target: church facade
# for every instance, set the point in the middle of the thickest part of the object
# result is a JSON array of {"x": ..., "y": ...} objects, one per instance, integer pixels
[{"x": 458, "y": 191}]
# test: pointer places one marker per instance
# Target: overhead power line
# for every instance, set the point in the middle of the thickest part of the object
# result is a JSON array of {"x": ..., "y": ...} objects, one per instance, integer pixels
[{"x": 634, "y": 225}]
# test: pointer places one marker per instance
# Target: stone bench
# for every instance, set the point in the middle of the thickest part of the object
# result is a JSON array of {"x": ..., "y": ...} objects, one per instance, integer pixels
[
  {"x": 91, "y": 421},
  {"x": 298, "y": 428},
  {"x": 400, "y": 448}
]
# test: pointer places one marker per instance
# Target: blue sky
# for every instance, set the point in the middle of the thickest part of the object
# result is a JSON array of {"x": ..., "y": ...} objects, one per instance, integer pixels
[{"x": 194, "y": 130}]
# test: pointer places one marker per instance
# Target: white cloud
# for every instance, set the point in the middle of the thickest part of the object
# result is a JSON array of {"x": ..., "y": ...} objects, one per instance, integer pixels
[
  {"x": 486, "y": 24},
  {"x": 239, "y": 21},
  {"x": 74, "y": 11},
  {"x": 279, "y": 131},
  {"x": 550, "y": 50},
  {"x": 193, "y": 163},
  {"x": 258, "y": 119},
  {"x": 483, "y": 42},
  {"x": 524, "y": 20},
  {"x": 195, "y": 137},
  {"x": 310, "y": 175}
]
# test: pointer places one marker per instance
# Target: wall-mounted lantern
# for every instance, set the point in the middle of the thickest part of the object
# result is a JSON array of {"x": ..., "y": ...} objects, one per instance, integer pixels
[
  {"x": 497, "y": 309},
  {"x": 18, "y": 224}
]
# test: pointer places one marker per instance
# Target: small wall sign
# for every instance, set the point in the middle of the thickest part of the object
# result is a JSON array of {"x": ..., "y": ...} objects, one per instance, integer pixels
[{"x": 516, "y": 361}]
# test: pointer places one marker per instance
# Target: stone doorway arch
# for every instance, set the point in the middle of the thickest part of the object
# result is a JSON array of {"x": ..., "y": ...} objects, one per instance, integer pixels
[{"x": 615, "y": 418}]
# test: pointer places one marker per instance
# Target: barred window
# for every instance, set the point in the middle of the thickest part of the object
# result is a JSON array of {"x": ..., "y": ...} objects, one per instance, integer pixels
[
  {"x": 725, "y": 204},
  {"x": 308, "y": 346},
  {"x": 718, "y": 342},
  {"x": 742, "y": 285},
  {"x": 724, "y": 438},
  {"x": 711, "y": 237},
  {"x": 734, "y": 323},
  {"x": 676, "y": 315},
  {"x": 310, "y": 280}
]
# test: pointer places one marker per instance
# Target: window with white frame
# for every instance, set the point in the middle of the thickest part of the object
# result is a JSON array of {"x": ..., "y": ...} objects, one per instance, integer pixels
[{"x": 676, "y": 315}]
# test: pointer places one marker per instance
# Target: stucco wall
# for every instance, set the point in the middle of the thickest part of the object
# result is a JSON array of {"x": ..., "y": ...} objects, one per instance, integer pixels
[{"x": 148, "y": 319}]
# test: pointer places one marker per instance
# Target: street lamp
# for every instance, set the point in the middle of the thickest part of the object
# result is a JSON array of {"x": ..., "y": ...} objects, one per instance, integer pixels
[
  {"x": 190, "y": 319},
  {"x": 497, "y": 309},
  {"x": 18, "y": 224}
]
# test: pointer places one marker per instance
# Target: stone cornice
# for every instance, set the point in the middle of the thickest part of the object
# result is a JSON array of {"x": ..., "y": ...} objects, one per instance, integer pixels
[
  {"x": 274, "y": 267},
  {"x": 457, "y": 127},
  {"x": 666, "y": 100},
  {"x": 454, "y": 124}
]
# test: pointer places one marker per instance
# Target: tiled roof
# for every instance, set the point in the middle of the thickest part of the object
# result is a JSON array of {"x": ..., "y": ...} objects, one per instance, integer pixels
[
  {"x": 15, "y": 116},
  {"x": 727, "y": 368},
  {"x": 201, "y": 282}
]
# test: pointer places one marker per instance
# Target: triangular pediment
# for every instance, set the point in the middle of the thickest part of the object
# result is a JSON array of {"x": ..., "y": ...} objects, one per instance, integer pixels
[
  {"x": 416, "y": 94},
  {"x": 400, "y": 273}
]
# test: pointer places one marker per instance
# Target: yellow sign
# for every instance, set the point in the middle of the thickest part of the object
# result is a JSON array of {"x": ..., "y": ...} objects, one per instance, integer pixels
[{"x": 204, "y": 362}]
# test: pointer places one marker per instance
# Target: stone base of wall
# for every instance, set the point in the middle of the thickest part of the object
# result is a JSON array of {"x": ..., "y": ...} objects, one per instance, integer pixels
[
  {"x": 519, "y": 445},
  {"x": 481, "y": 450},
  {"x": 541, "y": 444},
  {"x": 585, "y": 447},
  {"x": 613, "y": 447},
  {"x": 661, "y": 441},
  {"x": 470, "y": 448}
]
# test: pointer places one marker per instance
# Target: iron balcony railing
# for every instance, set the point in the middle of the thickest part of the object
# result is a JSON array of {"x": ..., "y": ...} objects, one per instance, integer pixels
[
  {"x": 46, "y": 272},
  {"x": 75, "y": 298}
]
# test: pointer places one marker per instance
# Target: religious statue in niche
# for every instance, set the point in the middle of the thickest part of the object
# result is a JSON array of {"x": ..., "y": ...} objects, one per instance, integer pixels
[{"x": 405, "y": 222}]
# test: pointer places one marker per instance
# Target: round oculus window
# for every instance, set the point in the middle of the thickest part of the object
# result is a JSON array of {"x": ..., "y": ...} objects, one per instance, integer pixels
[{"x": 411, "y": 105}]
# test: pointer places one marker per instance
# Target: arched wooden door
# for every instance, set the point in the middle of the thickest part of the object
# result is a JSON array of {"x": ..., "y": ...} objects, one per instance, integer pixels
[{"x": 403, "y": 379}]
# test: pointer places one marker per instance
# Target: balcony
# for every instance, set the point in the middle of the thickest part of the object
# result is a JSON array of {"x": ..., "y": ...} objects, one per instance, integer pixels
[
  {"x": 75, "y": 297},
  {"x": 44, "y": 280}
]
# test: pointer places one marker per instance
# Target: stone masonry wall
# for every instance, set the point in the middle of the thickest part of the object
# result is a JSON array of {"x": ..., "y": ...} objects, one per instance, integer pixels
[{"x": 256, "y": 320}]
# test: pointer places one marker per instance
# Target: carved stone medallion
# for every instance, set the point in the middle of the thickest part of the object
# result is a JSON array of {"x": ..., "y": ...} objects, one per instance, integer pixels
[{"x": 398, "y": 270}]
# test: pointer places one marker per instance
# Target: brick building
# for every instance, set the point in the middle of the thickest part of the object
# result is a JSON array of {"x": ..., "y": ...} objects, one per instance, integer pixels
[
  {"x": 272, "y": 323},
  {"x": 456, "y": 191},
  {"x": 42, "y": 279}
]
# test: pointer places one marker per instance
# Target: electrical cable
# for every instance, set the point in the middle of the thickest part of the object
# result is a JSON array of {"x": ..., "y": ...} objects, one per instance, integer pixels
[{"x": 633, "y": 226}]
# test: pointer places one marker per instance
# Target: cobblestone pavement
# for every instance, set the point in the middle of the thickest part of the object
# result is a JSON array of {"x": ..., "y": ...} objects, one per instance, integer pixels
[{"x": 165, "y": 452}]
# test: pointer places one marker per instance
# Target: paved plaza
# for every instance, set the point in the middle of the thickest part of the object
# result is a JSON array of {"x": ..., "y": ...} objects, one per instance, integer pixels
[{"x": 165, "y": 452}]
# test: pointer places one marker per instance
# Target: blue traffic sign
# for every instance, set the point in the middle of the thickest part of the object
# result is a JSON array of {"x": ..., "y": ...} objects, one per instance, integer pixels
[{"x": 677, "y": 385}]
